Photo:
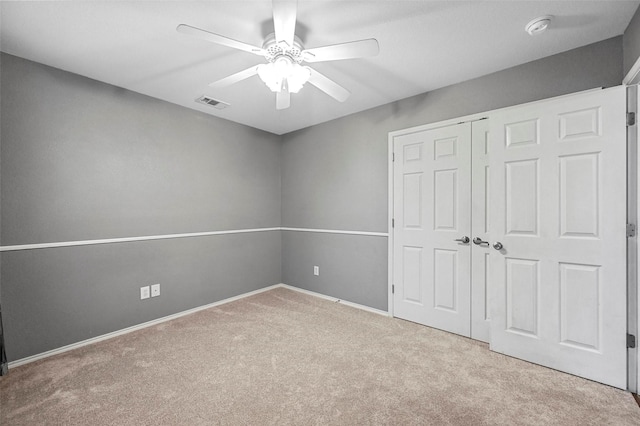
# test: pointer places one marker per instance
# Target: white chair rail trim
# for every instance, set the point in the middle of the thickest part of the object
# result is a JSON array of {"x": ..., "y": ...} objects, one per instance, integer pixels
[{"x": 185, "y": 235}]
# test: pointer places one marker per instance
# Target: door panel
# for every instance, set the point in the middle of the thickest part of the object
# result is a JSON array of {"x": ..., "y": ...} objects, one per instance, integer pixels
[
  {"x": 558, "y": 206},
  {"x": 412, "y": 273},
  {"x": 579, "y": 195},
  {"x": 432, "y": 204},
  {"x": 444, "y": 200},
  {"x": 580, "y": 319},
  {"x": 412, "y": 200},
  {"x": 521, "y": 197},
  {"x": 522, "y": 285},
  {"x": 445, "y": 264}
]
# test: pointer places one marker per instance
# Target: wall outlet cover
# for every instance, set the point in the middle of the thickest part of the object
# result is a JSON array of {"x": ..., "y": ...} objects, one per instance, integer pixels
[
  {"x": 144, "y": 292},
  {"x": 316, "y": 270},
  {"x": 155, "y": 290}
]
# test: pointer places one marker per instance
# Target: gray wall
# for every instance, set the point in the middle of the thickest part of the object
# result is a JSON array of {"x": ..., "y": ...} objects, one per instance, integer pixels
[
  {"x": 349, "y": 266},
  {"x": 334, "y": 175},
  {"x": 631, "y": 42},
  {"x": 58, "y": 296},
  {"x": 85, "y": 160}
]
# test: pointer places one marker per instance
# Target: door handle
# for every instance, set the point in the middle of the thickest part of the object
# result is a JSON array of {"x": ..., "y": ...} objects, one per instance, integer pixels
[
  {"x": 463, "y": 240},
  {"x": 479, "y": 242},
  {"x": 498, "y": 245}
]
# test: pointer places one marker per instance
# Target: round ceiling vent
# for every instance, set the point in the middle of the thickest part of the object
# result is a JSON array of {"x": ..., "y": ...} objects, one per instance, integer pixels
[{"x": 538, "y": 25}]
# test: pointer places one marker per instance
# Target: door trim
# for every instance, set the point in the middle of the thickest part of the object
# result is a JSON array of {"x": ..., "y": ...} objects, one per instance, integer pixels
[
  {"x": 633, "y": 76},
  {"x": 633, "y": 256},
  {"x": 636, "y": 199}
]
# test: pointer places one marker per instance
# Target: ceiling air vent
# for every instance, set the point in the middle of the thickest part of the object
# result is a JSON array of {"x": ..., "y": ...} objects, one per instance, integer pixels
[{"x": 206, "y": 100}]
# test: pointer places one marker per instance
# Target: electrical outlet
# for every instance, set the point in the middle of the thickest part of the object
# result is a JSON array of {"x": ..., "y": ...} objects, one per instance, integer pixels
[
  {"x": 144, "y": 292},
  {"x": 155, "y": 290},
  {"x": 316, "y": 270}
]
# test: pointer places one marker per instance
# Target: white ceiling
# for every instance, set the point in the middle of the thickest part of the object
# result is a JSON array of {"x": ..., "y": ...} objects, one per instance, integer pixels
[{"x": 424, "y": 45}]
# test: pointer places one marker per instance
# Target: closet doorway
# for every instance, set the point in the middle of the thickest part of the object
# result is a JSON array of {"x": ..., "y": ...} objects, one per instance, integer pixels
[{"x": 511, "y": 229}]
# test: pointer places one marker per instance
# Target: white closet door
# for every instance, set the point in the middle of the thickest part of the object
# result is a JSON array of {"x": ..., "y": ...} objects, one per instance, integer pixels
[
  {"x": 480, "y": 253},
  {"x": 432, "y": 197},
  {"x": 558, "y": 206}
]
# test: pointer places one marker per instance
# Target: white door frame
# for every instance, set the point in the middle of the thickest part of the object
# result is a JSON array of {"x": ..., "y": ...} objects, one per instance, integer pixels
[
  {"x": 636, "y": 260},
  {"x": 633, "y": 256},
  {"x": 632, "y": 198},
  {"x": 633, "y": 304}
]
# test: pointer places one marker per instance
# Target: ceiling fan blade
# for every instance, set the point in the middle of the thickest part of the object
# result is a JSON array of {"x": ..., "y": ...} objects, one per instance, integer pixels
[
  {"x": 353, "y": 49},
  {"x": 217, "y": 38},
  {"x": 328, "y": 86},
  {"x": 284, "y": 20},
  {"x": 234, "y": 78},
  {"x": 283, "y": 99}
]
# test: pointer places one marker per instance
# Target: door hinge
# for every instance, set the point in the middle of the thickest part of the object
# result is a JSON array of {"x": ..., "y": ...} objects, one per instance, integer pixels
[
  {"x": 393, "y": 223},
  {"x": 393, "y": 288},
  {"x": 631, "y": 230},
  {"x": 631, "y": 341},
  {"x": 631, "y": 119},
  {"x": 393, "y": 156}
]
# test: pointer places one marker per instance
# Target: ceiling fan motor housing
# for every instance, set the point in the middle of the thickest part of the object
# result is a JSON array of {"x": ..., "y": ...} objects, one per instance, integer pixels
[{"x": 275, "y": 50}]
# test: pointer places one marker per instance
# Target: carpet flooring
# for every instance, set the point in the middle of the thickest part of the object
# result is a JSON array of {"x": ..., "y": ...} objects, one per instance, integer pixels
[{"x": 282, "y": 357}]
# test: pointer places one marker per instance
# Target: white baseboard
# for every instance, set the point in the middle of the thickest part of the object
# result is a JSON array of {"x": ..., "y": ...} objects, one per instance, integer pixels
[
  {"x": 334, "y": 299},
  {"x": 117, "y": 333}
]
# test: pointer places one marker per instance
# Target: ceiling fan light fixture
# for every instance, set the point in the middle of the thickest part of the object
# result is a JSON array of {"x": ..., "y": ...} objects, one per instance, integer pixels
[
  {"x": 282, "y": 66},
  {"x": 298, "y": 77},
  {"x": 269, "y": 76},
  {"x": 275, "y": 73}
]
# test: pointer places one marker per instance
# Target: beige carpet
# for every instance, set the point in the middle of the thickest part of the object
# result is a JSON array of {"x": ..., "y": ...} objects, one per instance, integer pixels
[{"x": 282, "y": 357}]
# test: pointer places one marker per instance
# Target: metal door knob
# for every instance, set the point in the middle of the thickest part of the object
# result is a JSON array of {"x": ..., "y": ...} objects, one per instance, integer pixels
[
  {"x": 478, "y": 241},
  {"x": 498, "y": 245},
  {"x": 464, "y": 240}
]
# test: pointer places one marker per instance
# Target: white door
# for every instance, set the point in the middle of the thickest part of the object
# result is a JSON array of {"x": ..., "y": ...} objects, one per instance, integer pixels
[
  {"x": 432, "y": 205},
  {"x": 481, "y": 235},
  {"x": 558, "y": 207}
]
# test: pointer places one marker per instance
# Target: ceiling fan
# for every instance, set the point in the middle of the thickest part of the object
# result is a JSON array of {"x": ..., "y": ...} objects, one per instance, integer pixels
[{"x": 284, "y": 52}]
